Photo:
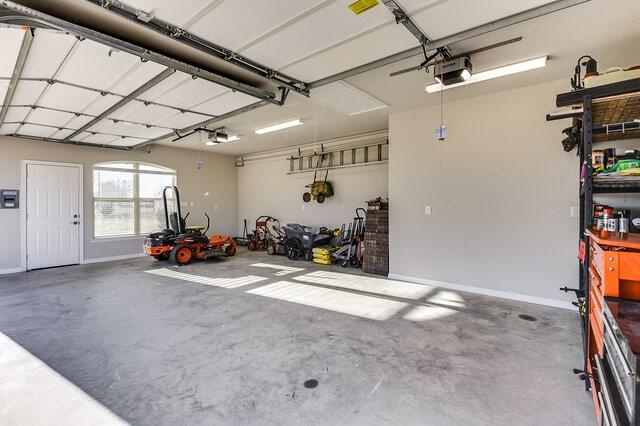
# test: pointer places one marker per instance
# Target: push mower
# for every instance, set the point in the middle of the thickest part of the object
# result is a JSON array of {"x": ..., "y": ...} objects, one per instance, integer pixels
[
  {"x": 263, "y": 234},
  {"x": 350, "y": 252},
  {"x": 182, "y": 243}
]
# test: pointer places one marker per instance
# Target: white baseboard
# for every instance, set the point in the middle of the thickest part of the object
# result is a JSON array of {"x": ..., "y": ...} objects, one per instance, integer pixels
[
  {"x": 487, "y": 292},
  {"x": 11, "y": 271},
  {"x": 112, "y": 258}
]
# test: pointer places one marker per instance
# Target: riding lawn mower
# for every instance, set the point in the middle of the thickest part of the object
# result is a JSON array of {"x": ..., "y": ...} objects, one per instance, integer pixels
[{"x": 182, "y": 243}]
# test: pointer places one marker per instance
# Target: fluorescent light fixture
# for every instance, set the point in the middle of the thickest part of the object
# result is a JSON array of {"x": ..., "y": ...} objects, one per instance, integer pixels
[
  {"x": 280, "y": 126},
  {"x": 519, "y": 67}
]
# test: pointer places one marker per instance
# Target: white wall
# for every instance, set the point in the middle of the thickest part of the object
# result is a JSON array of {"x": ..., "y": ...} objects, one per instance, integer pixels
[
  {"x": 500, "y": 187},
  {"x": 214, "y": 185},
  {"x": 264, "y": 188}
]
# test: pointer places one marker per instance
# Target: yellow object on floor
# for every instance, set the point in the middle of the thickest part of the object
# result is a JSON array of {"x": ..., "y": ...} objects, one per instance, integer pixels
[
  {"x": 360, "y": 6},
  {"x": 323, "y": 250},
  {"x": 323, "y": 261},
  {"x": 322, "y": 256}
]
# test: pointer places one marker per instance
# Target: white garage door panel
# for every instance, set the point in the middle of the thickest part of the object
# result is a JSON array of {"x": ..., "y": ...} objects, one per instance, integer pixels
[
  {"x": 436, "y": 21},
  {"x": 50, "y": 117},
  {"x": 375, "y": 45},
  {"x": 4, "y": 87},
  {"x": 225, "y": 103},
  {"x": 141, "y": 113},
  {"x": 10, "y": 40},
  {"x": 52, "y": 202},
  {"x": 100, "y": 139},
  {"x": 238, "y": 22},
  {"x": 127, "y": 129},
  {"x": 127, "y": 142},
  {"x": 28, "y": 92},
  {"x": 182, "y": 120},
  {"x": 61, "y": 134},
  {"x": 78, "y": 122},
  {"x": 68, "y": 98},
  {"x": 35, "y": 130},
  {"x": 172, "y": 11},
  {"x": 8, "y": 129},
  {"x": 189, "y": 92},
  {"x": 16, "y": 114},
  {"x": 135, "y": 77},
  {"x": 173, "y": 82},
  {"x": 48, "y": 50},
  {"x": 313, "y": 33},
  {"x": 90, "y": 65},
  {"x": 100, "y": 104}
]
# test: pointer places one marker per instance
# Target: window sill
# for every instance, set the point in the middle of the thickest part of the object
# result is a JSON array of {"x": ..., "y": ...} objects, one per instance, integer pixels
[{"x": 113, "y": 239}]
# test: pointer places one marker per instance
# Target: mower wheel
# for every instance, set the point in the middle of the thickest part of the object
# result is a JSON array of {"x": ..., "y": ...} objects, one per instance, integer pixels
[
  {"x": 306, "y": 197},
  {"x": 182, "y": 254},
  {"x": 271, "y": 249},
  {"x": 320, "y": 198},
  {"x": 230, "y": 250},
  {"x": 293, "y": 249},
  {"x": 163, "y": 256},
  {"x": 252, "y": 245}
]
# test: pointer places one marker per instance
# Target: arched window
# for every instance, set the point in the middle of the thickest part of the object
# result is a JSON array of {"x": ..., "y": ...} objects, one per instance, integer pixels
[{"x": 127, "y": 198}]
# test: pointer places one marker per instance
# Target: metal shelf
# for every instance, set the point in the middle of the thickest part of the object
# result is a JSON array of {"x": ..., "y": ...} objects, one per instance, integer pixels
[
  {"x": 605, "y": 184},
  {"x": 604, "y": 109}
]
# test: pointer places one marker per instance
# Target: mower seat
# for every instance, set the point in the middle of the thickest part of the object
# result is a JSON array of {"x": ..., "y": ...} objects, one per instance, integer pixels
[{"x": 162, "y": 234}]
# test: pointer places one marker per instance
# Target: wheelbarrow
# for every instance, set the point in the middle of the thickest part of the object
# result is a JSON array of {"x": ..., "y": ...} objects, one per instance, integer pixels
[{"x": 319, "y": 190}]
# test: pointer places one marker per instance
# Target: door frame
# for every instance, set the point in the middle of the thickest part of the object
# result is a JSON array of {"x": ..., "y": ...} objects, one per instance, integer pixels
[{"x": 23, "y": 206}]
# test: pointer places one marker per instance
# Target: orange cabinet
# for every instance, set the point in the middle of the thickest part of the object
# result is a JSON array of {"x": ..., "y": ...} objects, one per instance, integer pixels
[{"x": 615, "y": 259}]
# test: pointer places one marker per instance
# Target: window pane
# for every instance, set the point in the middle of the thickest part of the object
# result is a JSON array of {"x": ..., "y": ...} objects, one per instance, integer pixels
[
  {"x": 113, "y": 218},
  {"x": 152, "y": 216},
  {"x": 151, "y": 185},
  {"x": 110, "y": 184}
]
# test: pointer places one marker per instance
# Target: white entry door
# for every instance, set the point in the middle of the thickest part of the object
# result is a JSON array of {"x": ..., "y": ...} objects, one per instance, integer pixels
[{"x": 53, "y": 215}]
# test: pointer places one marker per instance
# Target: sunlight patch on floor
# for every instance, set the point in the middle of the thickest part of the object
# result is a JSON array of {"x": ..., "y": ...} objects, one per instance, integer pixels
[
  {"x": 447, "y": 298},
  {"x": 425, "y": 313},
  {"x": 333, "y": 300},
  {"x": 32, "y": 393},
  {"x": 282, "y": 270},
  {"x": 216, "y": 282},
  {"x": 369, "y": 284}
]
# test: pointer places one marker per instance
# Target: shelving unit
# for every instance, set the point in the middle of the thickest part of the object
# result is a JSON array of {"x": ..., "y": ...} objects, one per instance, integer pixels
[{"x": 608, "y": 115}]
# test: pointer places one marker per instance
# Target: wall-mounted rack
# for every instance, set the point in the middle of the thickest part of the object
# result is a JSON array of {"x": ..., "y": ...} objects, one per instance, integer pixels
[
  {"x": 338, "y": 158},
  {"x": 609, "y": 113}
]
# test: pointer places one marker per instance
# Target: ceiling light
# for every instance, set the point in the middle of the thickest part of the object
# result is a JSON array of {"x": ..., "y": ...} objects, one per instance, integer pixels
[
  {"x": 280, "y": 126},
  {"x": 531, "y": 64}
]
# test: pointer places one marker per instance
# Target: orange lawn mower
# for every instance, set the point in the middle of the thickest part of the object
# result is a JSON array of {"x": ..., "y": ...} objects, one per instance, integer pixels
[{"x": 181, "y": 243}]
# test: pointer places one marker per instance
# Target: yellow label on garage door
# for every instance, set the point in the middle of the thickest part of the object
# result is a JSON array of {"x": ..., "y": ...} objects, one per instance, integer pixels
[{"x": 360, "y": 6}]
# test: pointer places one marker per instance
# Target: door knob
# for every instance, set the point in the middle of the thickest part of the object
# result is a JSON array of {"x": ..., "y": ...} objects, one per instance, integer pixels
[{"x": 75, "y": 222}]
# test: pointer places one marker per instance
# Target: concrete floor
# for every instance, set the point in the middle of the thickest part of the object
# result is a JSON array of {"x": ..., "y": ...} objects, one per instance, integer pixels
[{"x": 230, "y": 342}]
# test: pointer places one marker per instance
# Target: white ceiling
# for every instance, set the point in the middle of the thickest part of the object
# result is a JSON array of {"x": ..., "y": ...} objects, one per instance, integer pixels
[
  {"x": 309, "y": 40},
  {"x": 91, "y": 68},
  {"x": 558, "y": 35}
]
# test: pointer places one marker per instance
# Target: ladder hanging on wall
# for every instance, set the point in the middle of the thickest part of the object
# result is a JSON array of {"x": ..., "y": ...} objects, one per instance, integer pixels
[{"x": 338, "y": 158}]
